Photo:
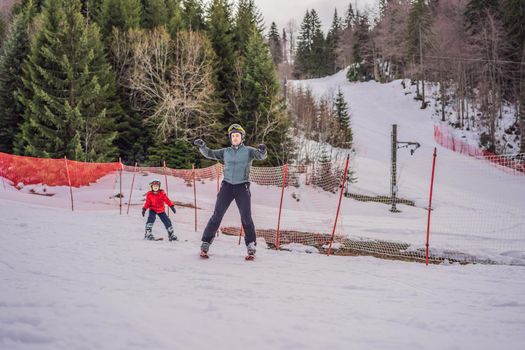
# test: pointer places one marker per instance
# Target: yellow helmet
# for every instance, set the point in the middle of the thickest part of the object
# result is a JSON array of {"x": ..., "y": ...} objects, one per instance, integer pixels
[{"x": 236, "y": 128}]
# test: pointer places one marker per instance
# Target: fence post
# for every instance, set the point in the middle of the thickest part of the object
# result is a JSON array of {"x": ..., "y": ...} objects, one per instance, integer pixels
[
  {"x": 343, "y": 182},
  {"x": 240, "y": 234},
  {"x": 277, "y": 236},
  {"x": 194, "y": 195},
  {"x": 131, "y": 190},
  {"x": 120, "y": 184},
  {"x": 217, "y": 171},
  {"x": 430, "y": 203},
  {"x": 69, "y": 182},
  {"x": 166, "y": 180}
]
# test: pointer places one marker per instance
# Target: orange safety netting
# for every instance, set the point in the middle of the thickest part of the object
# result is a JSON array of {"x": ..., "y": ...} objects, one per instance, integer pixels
[
  {"x": 444, "y": 137},
  {"x": 52, "y": 172}
]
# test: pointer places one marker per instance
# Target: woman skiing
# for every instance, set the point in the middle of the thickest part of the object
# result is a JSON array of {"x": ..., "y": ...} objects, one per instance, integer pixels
[
  {"x": 155, "y": 200},
  {"x": 236, "y": 185}
]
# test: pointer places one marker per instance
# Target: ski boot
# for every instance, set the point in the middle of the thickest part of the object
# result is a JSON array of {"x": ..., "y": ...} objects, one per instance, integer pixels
[
  {"x": 171, "y": 234},
  {"x": 148, "y": 235},
  {"x": 205, "y": 246},
  {"x": 251, "y": 251}
]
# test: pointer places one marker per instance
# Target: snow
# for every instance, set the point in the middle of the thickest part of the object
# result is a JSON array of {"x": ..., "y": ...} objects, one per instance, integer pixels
[
  {"x": 478, "y": 208},
  {"x": 87, "y": 280}
]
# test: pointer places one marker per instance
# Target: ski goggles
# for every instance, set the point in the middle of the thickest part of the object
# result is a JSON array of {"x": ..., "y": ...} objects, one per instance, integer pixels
[{"x": 236, "y": 128}]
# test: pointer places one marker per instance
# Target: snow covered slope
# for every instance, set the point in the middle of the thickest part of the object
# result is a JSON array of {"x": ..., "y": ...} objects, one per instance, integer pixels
[
  {"x": 478, "y": 209},
  {"x": 87, "y": 279}
]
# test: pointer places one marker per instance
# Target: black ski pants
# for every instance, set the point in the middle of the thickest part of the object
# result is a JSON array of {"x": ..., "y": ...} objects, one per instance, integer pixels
[{"x": 227, "y": 193}]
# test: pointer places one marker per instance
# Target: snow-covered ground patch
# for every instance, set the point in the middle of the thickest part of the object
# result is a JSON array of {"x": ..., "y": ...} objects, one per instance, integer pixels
[{"x": 87, "y": 280}]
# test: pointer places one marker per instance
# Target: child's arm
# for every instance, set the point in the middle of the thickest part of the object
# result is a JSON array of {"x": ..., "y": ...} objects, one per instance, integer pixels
[
  {"x": 146, "y": 205},
  {"x": 169, "y": 203}
]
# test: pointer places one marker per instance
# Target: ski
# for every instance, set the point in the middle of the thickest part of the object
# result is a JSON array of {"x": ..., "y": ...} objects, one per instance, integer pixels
[
  {"x": 249, "y": 257},
  {"x": 204, "y": 255}
]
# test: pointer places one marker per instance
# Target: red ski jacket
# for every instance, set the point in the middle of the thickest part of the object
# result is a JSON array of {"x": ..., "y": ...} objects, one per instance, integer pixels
[{"x": 155, "y": 201}]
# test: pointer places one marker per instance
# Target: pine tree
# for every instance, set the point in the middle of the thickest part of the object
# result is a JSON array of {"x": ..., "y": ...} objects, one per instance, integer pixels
[
  {"x": 274, "y": 40},
  {"x": 91, "y": 9},
  {"x": 3, "y": 30},
  {"x": 175, "y": 17},
  {"x": 155, "y": 14},
  {"x": 261, "y": 109},
  {"x": 311, "y": 58},
  {"x": 418, "y": 28},
  {"x": 68, "y": 95},
  {"x": 324, "y": 172},
  {"x": 21, "y": 5},
  {"x": 349, "y": 18},
  {"x": 177, "y": 153},
  {"x": 193, "y": 15},
  {"x": 303, "y": 55},
  {"x": 121, "y": 14},
  {"x": 342, "y": 115},
  {"x": 247, "y": 19},
  {"x": 362, "y": 69},
  {"x": 319, "y": 64},
  {"x": 332, "y": 42},
  {"x": 220, "y": 32},
  {"x": 12, "y": 54}
]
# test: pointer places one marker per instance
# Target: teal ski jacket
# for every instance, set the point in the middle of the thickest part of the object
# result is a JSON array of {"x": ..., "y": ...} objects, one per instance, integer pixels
[{"x": 237, "y": 161}]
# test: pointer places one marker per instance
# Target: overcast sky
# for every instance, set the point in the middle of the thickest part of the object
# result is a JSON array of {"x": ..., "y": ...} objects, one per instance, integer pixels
[{"x": 281, "y": 11}]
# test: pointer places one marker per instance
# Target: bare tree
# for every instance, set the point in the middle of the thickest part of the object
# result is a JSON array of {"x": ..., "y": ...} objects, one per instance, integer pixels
[
  {"x": 171, "y": 80},
  {"x": 490, "y": 43},
  {"x": 291, "y": 28},
  {"x": 390, "y": 37},
  {"x": 449, "y": 42}
]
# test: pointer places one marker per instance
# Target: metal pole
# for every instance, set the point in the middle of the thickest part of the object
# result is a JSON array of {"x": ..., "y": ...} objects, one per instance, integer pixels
[
  {"x": 343, "y": 182},
  {"x": 131, "y": 190},
  {"x": 166, "y": 180},
  {"x": 120, "y": 185},
  {"x": 240, "y": 234},
  {"x": 430, "y": 203},
  {"x": 393, "y": 177},
  {"x": 217, "y": 173},
  {"x": 69, "y": 182},
  {"x": 277, "y": 236},
  {"x": 194, "y": 195}
]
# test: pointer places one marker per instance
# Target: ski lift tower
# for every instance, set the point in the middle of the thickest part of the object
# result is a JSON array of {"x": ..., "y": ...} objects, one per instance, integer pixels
[{"x": 393, "y": 178}]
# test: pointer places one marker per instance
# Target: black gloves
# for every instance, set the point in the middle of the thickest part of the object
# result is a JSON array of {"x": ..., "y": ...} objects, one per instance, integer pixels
[
  {"x": 199, "y": 142},
  {"x": 173, "y": 209},
  {"x": 262, "y": 147},
  {"x": 143, "y": 211}
]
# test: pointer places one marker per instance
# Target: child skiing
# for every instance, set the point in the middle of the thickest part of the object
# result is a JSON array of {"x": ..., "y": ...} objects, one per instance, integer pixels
[
  {"x": 155, "y": 200},
  {"x": 236, "y": 185}
]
